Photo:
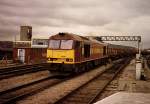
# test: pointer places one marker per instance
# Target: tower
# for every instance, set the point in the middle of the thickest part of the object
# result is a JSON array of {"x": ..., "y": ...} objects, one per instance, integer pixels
[{"x": 25, "y": 33}]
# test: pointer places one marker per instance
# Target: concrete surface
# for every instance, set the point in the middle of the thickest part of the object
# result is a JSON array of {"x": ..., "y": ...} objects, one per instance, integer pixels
[
  {"x": 126, "y": 98},
  {"x": 127, "y": 83}
]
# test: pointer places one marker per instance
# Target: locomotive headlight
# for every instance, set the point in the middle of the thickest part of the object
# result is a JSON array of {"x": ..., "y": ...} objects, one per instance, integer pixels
[
  {"x": 53, "y": 59},
  {"x": 69, "y": 60},
  {"x": 48, "y": 59}
]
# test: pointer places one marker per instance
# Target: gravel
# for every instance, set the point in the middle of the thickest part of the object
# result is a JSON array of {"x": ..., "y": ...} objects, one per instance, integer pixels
[
  {"x": 52, "y": 94},
  {"x": 12, "y": 82}
]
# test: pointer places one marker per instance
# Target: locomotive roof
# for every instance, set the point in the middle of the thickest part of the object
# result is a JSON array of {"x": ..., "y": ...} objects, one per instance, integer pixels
[
  {"x": 119, "y": 46},
  {"x": 75, "y": 37},
  {"x": 96, "y": 41},
  {"x": 68, "y": 36}
]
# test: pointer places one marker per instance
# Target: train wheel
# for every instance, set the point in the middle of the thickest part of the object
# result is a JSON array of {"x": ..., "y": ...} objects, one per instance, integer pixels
[
  {"x": 83, "y": 68},
  {"x": 76, "y": 69}
]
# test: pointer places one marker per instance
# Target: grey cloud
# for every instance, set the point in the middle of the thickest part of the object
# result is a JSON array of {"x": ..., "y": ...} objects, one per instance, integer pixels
[
  {"x": 79, "y": 16},
  {"x": 139, "y": 6}
]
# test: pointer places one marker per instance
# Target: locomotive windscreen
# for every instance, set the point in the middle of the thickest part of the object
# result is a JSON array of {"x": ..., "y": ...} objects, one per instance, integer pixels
[
  {"x": 61, "y": 44},
  {"x": 66, "y": 44},
  {"x": 54, "y": 44}
]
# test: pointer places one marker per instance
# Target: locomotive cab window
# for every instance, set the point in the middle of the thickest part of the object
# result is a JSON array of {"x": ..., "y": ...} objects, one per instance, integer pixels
[
  {"x": 86, "y": 50},
  {"x": 61, "y": 44},
  {"x": 54, "y": 44},
  {"x": 66, "y": 44}
]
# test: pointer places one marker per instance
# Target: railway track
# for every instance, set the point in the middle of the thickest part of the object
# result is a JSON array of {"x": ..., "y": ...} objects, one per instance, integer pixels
[
  {"x": 13, "y": 94},
  {"x": 7, "y": 69},
  {"x": 20, "y": 70},
  {"x": 88, "y": 92}
]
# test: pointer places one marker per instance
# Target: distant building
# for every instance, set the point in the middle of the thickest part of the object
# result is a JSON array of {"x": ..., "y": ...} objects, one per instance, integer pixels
[
  {"x": 22, "y": 44},
  {"x": 25, "y": 33},
  {"x": 39, "y": 43},
  {"x": 29, "y": 49},
  {"x": 6, "y": 48}
]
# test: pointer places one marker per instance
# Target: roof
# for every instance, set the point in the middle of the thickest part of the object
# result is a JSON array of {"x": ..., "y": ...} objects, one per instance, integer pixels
[
  {"x": 119, "y": 46},
  {"x": 69, "y": 36},
  {"x": 96, "y": 41}
]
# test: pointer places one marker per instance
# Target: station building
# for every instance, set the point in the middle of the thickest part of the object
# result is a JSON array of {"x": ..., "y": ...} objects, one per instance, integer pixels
[{"x": 29, "y": 50}]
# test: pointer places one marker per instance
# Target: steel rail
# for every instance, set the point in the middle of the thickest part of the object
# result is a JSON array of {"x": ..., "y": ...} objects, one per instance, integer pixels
[{"x": 71, "y": 96}]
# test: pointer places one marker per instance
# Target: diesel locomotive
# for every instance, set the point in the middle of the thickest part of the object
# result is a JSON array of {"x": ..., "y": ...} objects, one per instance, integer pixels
[{"x": 68, "y": 52}]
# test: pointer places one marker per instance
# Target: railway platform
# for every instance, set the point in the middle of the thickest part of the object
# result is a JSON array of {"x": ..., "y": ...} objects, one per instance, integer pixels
[
  {"x": 126, "y": 98},
  {"x": 129, "y": 90}
]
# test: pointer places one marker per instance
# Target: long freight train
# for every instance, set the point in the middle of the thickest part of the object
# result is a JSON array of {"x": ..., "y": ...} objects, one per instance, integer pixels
[{"x": 74, "y": 53}]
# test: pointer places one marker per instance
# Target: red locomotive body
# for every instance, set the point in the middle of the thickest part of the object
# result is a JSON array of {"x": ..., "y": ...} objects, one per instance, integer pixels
[{"x": 77, "y": 53}]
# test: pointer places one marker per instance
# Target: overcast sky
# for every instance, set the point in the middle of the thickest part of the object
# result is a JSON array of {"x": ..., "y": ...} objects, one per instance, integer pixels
[{"x": 83, "y": 17}]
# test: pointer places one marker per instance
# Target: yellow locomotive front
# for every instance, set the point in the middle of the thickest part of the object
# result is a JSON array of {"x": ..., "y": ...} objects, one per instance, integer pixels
[{"x": 60, "y": 51}]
